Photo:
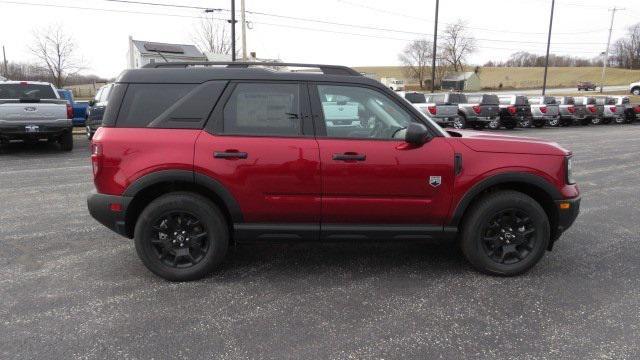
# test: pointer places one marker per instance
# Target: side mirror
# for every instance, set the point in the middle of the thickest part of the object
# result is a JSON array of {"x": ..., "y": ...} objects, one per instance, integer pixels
[
  {"x": 417, "y": 134},
  {"x": 92, "y": 102}
]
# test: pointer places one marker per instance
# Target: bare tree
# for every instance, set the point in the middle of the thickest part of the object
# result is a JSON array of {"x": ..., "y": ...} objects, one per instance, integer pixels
[
  {"x": 213, "y": 36},
  {"x": 56, "y": 51},
  {"x": 415, "y": 57},
  {"x": 457, "y": 45}
]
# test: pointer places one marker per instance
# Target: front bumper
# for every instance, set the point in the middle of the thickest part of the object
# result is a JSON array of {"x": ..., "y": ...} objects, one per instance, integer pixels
[
  {"x": 568, "y": 211},
  {"x": 100, "y": 208}
]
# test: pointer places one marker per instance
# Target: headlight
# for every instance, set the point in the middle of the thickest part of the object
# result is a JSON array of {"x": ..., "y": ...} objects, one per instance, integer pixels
[{"x": 569, "y": 170}]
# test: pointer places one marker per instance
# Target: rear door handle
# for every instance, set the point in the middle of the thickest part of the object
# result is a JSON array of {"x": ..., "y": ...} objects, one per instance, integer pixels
[
  {"x": 349, "y": 156},
  {"x": 230, "y": 154}
]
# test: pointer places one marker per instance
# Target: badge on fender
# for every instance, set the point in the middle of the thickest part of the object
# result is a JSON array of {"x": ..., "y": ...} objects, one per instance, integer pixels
[{"x": 435, "y": 181}]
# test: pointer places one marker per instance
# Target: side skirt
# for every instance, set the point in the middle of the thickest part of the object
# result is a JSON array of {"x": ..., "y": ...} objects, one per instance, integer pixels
[{"x": 250, "y": 232}]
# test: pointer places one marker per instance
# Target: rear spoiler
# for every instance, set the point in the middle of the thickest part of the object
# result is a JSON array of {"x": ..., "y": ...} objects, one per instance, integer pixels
[{"x": 33, "y": 101}]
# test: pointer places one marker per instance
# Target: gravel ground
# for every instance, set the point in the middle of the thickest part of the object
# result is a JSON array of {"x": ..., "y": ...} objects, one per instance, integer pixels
[{"x": 70, "y": 288}]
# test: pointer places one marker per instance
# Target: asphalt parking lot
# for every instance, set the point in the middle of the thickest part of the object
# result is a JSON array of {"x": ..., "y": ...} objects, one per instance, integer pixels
[{"x": 70, "y": 288}]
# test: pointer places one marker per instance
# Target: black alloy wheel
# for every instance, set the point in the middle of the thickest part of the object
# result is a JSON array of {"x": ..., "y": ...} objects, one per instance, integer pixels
[
  {"x": 179, "y": 239},
  {"x": 508, "y": 237}
]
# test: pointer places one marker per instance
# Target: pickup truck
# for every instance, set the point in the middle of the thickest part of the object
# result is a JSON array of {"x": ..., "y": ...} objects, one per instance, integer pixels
[
  {"x": 593, "y": 111},
  {"x": 79, "y": 107},
  {"x": 514, "y": 110},
  {"x": 32, "y": 111},
  {"x": 435, "y": 106},
  {"x": 393, "y": 83},
  {"x": 570, "y": 112},
  {"x": 628, "y": 110},
  {"x": 586, "y": 86},
  {"x": 96, "y": 109},
  {"x": 478, "y": 111},
  {"x": 611, "y": 111},
  {"x": 544, "y": 109}
]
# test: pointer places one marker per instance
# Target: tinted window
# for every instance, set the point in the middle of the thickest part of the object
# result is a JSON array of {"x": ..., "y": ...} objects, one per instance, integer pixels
[
  {"x": 104, "y": 96},
  {"x": 521, "y": 100},
  {"x": 361, "y": 113},
  {"x": 26, "y": 91},
  {"x": 263, "y": 109},
  {"x": 415, "y": 98},
  {"x": 457, "y": 98},
  {"x": 549, "y": 100},
  {"x": 144, "y": 102},
  {"x": 111, "y": 111}
]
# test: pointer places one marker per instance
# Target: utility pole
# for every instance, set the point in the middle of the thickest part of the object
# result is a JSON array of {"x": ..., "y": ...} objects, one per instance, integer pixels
[
  {"x": 606, "y": 53},
  {"x": 6, "y": 66},
  {"x": 546, "y": 61},
  {"x": 435, "y": 48},
  {"x": 233, "y": 30},
  {"x": 244, "y": 31}
]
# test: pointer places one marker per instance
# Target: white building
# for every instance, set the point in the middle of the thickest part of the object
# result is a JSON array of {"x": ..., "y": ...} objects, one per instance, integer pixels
[{"x": 141, "y": 53}]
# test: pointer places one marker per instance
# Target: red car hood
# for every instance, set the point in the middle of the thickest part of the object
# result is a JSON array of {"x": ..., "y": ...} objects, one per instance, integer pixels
[{"x": 488, "y": 142}]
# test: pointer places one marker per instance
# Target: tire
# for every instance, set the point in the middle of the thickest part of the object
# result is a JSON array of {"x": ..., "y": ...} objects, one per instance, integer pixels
[
  {"x": 494, "y": 124},
  {"x": 176, "y": 256},
  {"x": 635, "y": 91},
  {"x": 460, "y": 122},
  {"x": 596, "y": 120},
  {"x": 555, "y": 122},
  {"x": 496, "y": 243},
  {"x": 66, "y": 141},
  {"x": 620, "y": 120},
  {"x": 525, "y": 122}
]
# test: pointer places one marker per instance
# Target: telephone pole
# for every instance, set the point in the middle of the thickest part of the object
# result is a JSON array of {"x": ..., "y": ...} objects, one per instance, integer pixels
[
  {"x": 6, "y": 66},
  {"x": 606, "y": 52},
  {"x": 435, "y": 48},
  {"x": 233, "y": 30},
  {"x": 244, "y": 31},
  {"x": 546, "y": 61}
]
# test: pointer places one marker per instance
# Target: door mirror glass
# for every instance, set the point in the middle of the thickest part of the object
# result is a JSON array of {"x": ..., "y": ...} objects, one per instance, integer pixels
[{"x": 417, "y": 134}]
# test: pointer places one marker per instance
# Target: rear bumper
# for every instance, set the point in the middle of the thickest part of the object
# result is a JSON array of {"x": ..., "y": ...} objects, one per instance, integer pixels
[
  {"x": 99, "y": 206},
  {"x": 34, "y": 129},
  {"x": 567, "y": 216}
]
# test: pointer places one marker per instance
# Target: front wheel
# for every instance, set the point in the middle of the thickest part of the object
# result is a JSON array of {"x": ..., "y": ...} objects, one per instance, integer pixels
[
  {"x": 636, "y": 91},
  {"x": 506, "y": 233},
  {"x": 181, "y": 236}
]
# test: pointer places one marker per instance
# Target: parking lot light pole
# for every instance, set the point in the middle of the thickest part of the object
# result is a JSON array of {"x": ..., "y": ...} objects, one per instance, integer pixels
[
  {"x": 546, "y": 61},
  {"x": 435, "y": 47}
]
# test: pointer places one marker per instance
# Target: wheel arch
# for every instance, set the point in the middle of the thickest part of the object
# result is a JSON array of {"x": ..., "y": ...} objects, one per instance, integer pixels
[
  {"x": 153, "y": 185},
  {"x": 541, "y": 190}
]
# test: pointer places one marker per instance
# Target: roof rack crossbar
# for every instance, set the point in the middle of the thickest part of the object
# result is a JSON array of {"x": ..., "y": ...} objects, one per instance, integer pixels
[{"x": 326, "y": 69}]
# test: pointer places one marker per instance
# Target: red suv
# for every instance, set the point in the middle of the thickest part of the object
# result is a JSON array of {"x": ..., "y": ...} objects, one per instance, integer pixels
[{"x": 191, "y": 158}]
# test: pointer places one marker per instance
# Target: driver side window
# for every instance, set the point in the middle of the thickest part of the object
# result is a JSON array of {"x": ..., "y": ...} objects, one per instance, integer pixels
[{"x": 361, "y": 113}]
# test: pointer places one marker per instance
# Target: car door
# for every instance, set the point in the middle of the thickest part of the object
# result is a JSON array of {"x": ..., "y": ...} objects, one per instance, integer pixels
[
  {"x": 259, "y": 145},
  {"x": 371, "y": 178}
]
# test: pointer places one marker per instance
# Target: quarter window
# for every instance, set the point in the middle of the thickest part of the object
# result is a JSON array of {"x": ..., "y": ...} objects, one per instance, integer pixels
[
  {"x": 263, "y": 109},
  {"x": 361, "y": 113}
]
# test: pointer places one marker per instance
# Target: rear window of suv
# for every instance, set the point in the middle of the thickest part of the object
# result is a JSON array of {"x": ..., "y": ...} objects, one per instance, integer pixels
[
  {"x": 142, "y": 103},
  {"x": 27, "y": 91}
]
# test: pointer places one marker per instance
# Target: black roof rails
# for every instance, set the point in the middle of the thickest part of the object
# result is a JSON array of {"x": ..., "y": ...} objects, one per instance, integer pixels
[{"x": 326, "y": 69}]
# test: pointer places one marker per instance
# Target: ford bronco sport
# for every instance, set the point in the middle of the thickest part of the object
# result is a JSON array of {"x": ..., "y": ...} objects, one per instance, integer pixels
[{"x": 192, "y": 157}]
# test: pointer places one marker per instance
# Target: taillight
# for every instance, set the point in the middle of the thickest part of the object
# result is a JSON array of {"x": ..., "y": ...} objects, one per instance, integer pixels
[
  {"x": 69, "y": 111},
  {"x": 572, "y": 109},
  {"x": 543, "y": 109},
  {"x": 591, "y": 108},
  {"x": 476, "y": 109},
  {"x": 96, "y": 157},
  {"x": 512, "y": 110},
  {"x": 432, "y": 109},
  {"x": 637, "y": 109},
  {"x": 613, "y": 109}
]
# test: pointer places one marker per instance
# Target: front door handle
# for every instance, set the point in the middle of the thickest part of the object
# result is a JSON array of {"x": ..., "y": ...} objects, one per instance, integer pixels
[
  {"x": 349, "y": 156},
  {"x": 230, "y": 154}
]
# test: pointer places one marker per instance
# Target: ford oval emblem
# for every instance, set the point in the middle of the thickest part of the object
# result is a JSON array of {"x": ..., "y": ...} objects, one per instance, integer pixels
[{"x": 30, "y": 108}]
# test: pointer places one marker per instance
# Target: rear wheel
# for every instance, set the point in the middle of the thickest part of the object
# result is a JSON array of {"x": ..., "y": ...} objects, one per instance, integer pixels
[
  {"x": 460, "y": 122},
  {"x": 555, "y": 122},
  {"x": 596, "y": 120},
  {"x": 494, "y": 124},
  {"x": 66, "y": 141},
  {"x": 636, "y": 91},
  {"x": 505, "y": 233},
  {"x": 620, "y": 120},
  {"x": 525, "y": 122},
  {"x": 181, "y": 236}
]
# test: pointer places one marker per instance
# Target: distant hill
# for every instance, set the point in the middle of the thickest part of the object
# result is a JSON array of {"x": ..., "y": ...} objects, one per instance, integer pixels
[{"x": 529, "y": 77}]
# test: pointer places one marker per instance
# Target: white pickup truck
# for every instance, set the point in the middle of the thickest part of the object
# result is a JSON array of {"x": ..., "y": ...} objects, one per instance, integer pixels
[{"x": 32, "y": 111}]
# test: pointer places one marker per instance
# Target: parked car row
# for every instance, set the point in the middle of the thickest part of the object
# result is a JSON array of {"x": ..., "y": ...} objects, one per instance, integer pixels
[{"x": 491, "y": 111}]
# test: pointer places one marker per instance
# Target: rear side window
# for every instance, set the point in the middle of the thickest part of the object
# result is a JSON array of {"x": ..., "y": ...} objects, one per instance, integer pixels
[
  {"x": 263, "y": 109},
  {"x": 142, "y": 103}
]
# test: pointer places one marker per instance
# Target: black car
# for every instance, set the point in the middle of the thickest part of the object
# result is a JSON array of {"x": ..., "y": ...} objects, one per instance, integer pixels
[
  {"x": 514, "y": 110},
  {"x": 96, "y": 110}
]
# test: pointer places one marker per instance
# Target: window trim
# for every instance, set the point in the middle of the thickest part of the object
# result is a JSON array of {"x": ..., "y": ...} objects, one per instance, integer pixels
[
  {"x": 215, "y": 122},
  {"x": 320, "y": 123}
]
